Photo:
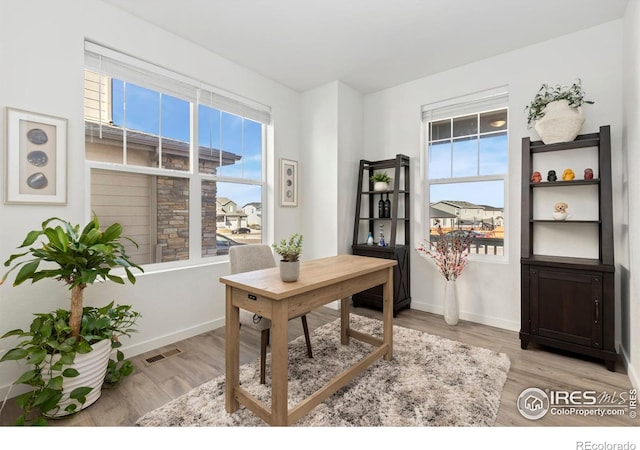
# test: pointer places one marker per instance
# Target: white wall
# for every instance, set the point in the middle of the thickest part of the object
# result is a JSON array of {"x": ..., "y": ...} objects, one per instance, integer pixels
[
  {"x": 319, "y": 170},
  {"x": 41, "y": 70},
  {"x": 331, "y": 150},
  {"x": 489, "y": 293},
  {"x": 350, "y": 152},
  {"x": 630, "y": 283}
]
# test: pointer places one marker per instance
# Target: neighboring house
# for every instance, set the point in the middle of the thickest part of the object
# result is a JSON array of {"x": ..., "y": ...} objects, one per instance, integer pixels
[
  {"x": 152, "y": 209},
  {"x": 459, "y": 214},
  {"x": 441, "y": 218},
  {"x": 254, "y": 214},
  {"x": 228, "y": 215}
]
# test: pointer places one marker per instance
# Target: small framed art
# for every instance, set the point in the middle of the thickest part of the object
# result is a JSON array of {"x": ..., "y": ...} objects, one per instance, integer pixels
[
  {"x": 288, "y": 182},
  {"x": 36, "y": 158}
]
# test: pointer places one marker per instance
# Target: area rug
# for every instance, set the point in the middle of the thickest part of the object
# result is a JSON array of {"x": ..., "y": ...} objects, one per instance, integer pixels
[{"x": 431, "y": 381}]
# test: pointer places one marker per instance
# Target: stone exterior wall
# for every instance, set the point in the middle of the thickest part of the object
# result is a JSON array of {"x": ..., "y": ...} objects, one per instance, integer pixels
[{"x": 172, "y": 200}]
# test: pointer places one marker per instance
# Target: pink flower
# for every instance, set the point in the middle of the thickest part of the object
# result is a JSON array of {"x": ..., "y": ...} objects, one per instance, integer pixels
[{"x": 449, "y": 252}]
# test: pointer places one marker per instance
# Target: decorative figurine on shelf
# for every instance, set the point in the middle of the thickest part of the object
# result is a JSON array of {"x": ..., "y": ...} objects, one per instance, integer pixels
[
  {"x": 370, "y": 239},
  {"x": 588, "y": 174},
  {"x": 560, "y": 212},
  {"x": 551, "y": 176},
  {"x": 381, "y": 243},
  {"x": 536, "y": 177},
  {"x": 568, "y": 175}
]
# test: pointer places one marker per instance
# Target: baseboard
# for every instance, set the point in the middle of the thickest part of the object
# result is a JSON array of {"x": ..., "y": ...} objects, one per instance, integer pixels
[
  {"x": 168, "y": 339},
  {"x": 511, "y": 325}
]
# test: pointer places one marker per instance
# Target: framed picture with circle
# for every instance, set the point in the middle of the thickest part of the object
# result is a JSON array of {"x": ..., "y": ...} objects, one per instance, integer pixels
[
  {"x": 288, "y": 182},
  {"x": 36, "y": 158}
]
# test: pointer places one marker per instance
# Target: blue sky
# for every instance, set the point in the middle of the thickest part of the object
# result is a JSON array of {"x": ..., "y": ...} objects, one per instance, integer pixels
[
  {"x": 469, "y": 157},
  {"x": 168, "y": 116}
]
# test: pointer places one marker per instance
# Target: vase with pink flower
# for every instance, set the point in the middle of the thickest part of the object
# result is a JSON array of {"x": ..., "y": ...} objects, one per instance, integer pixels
[{"x": 449, "y": 252}]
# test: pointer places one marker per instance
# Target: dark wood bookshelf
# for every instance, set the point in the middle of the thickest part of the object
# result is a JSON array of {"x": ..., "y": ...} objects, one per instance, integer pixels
[{"x": 567, "y": 302}]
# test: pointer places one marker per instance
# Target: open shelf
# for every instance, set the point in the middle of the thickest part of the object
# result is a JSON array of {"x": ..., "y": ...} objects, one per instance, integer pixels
[
  {"x": 396, "y": 228},
  {"x": 545, "y": 184},
  {"x": 567, "y": 285}
]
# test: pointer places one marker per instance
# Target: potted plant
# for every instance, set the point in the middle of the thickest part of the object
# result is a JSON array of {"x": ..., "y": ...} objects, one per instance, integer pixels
[
  {"x": 290, "y": 257},
  {"x": 380, "y": 181},
  {"x": 556, "y": 112},
  {"x": 68, "y": 350}
]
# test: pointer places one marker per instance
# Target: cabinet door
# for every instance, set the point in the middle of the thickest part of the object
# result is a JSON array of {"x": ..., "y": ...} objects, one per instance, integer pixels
[{"x": 567, "y": 306}]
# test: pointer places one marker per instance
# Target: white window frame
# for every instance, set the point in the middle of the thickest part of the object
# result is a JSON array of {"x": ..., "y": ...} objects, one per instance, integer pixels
[
  {"x": 218, "y": 99},
  {"x": 477, "y": 103}
]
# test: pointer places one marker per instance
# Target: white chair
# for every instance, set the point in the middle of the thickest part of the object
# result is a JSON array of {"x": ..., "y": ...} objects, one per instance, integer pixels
[{"x": 245, "y": 258}]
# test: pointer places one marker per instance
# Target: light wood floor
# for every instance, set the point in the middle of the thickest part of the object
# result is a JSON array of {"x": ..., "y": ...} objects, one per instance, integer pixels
[{"x": 202, "y": 358}]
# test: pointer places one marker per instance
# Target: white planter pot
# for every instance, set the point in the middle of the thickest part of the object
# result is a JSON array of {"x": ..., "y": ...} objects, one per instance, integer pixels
[
  {"x": 289, "y": 271},
  {"x": 451, "y": 313},
  {"x": 92, "y": 367},
  {"x": 561, "y": 122},
  {"x": 380, "y": 186}
]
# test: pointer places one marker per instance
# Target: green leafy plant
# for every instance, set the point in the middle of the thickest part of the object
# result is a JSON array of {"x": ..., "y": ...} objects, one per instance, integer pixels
[
  {"x": 77, "y": 258},
  {"x": 574, "y": 94},
  {"x": 380, "y": 177},
  {"x": 289, "y": 250},
  {"x": 49, "y": 349}
]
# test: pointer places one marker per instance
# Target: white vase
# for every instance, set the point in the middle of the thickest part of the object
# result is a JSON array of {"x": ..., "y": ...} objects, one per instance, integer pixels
[
  {"x": 92, "y": 367},
  {"x": 451, "y": 314},
  {"x": 380, "y": 186},
  {"x": 289, "y": 271},
  {"x": 560, "y": 123}
]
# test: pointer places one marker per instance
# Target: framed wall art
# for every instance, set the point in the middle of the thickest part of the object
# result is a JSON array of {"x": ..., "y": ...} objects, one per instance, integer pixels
[
  {"x": 288, "y": 182},
  {"x": 36, "y": 158}
]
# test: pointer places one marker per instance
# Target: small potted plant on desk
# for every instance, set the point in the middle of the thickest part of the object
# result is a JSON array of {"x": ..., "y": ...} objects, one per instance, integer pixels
[
  {"x": 290, "y": 257},
  {"x": 380, "y": 181},
  {"x": 68, "y": 351}
]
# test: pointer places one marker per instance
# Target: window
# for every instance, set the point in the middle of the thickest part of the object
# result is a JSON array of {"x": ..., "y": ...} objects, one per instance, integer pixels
[
  {"x": 148, "y": 175},
  {"x": 467, "y": 162}
]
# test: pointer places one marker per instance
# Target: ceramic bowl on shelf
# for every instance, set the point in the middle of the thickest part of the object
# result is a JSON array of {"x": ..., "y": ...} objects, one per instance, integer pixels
[{"x": 559, "y": 215}]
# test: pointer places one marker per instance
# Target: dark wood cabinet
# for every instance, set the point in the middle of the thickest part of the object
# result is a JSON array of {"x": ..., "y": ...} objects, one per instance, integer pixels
[
  {"x": 568, "y": 302},
  {"x": 396, "y": 228}
]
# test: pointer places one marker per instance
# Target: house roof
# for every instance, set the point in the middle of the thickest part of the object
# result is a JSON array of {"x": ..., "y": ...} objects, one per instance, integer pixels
[
  {"x": 458, "y": 204},
  {"x": 146, "y": 141},
  {"x": 436, "y": 213},
  {"x": 224, "y": 201}
]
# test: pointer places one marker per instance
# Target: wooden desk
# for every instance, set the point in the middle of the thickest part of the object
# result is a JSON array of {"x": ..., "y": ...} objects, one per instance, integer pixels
[{"x": 321, "y": 281}]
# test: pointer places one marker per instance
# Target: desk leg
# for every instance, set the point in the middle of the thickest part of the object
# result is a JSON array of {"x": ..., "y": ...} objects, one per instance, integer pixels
[
  {"x": 344, "y": 321},
  {"x": 279, "y": 364},
  {"x": 232, "y": 353},
  {"x": 387, "y": 313}
]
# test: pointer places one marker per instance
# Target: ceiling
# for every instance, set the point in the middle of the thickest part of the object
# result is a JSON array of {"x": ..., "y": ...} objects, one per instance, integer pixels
[{"x": 368, "y": 44}]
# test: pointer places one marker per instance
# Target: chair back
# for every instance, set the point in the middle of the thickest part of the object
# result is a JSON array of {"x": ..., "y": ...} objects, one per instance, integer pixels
[{"x": 245, "y": 258}]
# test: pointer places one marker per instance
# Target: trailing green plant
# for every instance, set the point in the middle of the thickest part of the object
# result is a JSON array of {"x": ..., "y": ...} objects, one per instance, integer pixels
[
  {"x": 574, "y": 94},
  {"x": 380, "y": 177},
  {"x": 49, "y": 348},
  {"x": 289, "y": 250},
  {"x": 77, "y": 257}
]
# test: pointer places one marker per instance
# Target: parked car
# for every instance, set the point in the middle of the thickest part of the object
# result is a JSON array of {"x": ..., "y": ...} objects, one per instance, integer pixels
[
  {"x": 241, "y": 230},
  {"x": 223, "y": 243}
]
